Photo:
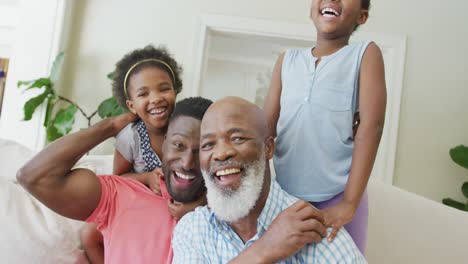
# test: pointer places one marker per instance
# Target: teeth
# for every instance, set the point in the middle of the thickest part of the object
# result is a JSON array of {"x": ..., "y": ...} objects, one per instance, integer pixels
[
  {"x": 328, "y": 12},
  {"x": 184, "y": 176},
  {"x": 156, "y": 111},
  {"x": 227, "y": 171}
]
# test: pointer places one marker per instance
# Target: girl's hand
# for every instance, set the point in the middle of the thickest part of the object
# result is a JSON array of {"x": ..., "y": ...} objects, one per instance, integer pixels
[
  {"x": 152, "y": 181},
  {"x": 338, "y": 216},
  {"x": 178, "y": 210}
]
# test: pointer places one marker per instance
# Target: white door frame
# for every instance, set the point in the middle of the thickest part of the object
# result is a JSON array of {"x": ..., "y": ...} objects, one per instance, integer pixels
[
  {"x": 40, "y": 30},
  {"x": 395, "y": 45}
]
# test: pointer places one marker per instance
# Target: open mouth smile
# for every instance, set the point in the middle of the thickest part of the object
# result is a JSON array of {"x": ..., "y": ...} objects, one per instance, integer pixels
[
  {"x": 158, "y": 111},
  {"x": 183, "y": 179},
  {"x": 330, "y": 12},
  {"x": 228, "y": 176}
]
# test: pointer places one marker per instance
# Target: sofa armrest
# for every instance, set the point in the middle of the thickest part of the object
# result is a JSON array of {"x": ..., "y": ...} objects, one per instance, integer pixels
[{"x": 407, "y": 228}]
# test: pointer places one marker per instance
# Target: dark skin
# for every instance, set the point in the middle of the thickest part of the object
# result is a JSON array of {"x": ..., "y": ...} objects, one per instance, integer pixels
[
  {"x": 48, "y": 177},
  {"x": 148, "y": 89},
  {"x": 181, "y": 149},
  {"x": 76, "y": 194},
  {"x": 236, "y": 129},
  {"x": 332, "y": 35}
]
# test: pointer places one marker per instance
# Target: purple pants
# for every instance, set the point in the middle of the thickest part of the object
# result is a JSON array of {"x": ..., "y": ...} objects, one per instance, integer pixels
[{"x": 357, "y": 228}]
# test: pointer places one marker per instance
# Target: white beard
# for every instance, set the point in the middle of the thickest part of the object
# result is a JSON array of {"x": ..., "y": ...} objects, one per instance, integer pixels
[{"x": 229, "y": 205}]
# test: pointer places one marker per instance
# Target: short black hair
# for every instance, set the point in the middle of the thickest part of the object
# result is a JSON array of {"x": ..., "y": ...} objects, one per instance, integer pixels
[
  {"x": 365, "y": 4},
  {"x": 135, "y": 56},
  {"x": 192, "y": 106}
]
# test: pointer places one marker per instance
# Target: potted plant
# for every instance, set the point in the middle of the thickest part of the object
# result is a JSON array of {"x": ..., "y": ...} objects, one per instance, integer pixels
[
  {"x": 459, "y": 155},
  {"x": 60, "y": 111}
]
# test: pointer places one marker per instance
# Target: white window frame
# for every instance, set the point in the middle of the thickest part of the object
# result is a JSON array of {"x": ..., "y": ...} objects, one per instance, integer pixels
[{"x": 39, "y": 34}]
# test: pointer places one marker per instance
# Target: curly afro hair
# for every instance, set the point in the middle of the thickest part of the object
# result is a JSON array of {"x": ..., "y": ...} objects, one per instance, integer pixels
[{"x": 148, "y": 52}]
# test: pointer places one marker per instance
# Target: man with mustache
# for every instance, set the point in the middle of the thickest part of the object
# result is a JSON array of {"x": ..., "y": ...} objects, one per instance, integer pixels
[
  {"x": 136, "y": 223},
  {"x": 243, "y": 200}
]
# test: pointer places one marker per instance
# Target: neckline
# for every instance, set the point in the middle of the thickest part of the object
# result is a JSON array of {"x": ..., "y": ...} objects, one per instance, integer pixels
[{"x": 327, "y": 56}]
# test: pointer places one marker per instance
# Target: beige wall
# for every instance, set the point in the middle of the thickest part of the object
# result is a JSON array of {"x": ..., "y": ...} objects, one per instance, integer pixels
[{"x": 435, "y": 94}]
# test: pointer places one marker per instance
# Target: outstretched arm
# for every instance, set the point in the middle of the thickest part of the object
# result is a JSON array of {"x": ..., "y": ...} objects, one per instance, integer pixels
[
  {"x": 48, "y": 176},
  {"x": 297, "y": 226},
  {"x": 272, "y": 101}
]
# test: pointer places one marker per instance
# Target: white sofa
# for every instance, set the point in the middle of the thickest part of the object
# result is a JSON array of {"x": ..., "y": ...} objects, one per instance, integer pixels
[{"x": 403, "y": 227}]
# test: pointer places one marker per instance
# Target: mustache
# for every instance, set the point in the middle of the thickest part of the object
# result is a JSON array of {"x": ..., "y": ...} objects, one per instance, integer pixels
[{"x": 216, "y": 164}]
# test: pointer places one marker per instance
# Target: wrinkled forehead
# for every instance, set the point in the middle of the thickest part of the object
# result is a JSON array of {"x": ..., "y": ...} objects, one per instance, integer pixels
[{"x": 222, "y": 120}]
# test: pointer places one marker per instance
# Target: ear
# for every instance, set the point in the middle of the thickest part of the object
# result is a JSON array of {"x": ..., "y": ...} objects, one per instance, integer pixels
[
  {"x": 130, "y": 106},
  {"x": 363, "y": 17},
  {"x": 269, "y": 147}
]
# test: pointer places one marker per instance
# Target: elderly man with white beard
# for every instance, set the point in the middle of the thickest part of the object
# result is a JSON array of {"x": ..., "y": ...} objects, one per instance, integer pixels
[{"x": 243, "y": 200}]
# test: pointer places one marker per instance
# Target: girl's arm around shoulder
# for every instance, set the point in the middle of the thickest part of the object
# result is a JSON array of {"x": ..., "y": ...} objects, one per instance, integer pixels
[
  {"x": 123, "y": 168},
  {"x": 272, "y": 101}
]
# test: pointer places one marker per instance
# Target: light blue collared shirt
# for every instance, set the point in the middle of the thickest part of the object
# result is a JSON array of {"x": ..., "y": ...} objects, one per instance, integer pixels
[{"x": 200, "y": 237}]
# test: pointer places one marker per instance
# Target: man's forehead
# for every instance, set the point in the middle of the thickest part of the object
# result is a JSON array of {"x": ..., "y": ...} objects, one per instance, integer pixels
[{"x": 183, "y": 125}]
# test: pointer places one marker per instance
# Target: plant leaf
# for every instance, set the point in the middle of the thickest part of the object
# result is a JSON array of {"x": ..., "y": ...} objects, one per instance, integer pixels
[
  {"x": 465, "y": 189},
  {"x": 64, "y": 119},
  {"x": 23, "y": 83},
  {"x": 454, "y": 204},
  {"x": 57, "y": 67},
  {"x": 459, "y": 155},
  {"x": 31, "y": 105},
  {"x": 110, "y": 107},
  {"x": 52, "y": 133},
  {"x": 38, "y": 83},
  {"x": 49, "y": 109},
  {"x": 111, "y": 75}
]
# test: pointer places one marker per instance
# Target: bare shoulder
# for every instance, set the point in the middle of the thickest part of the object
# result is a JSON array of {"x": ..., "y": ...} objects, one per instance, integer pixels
[{"x": 373, "y": 53}]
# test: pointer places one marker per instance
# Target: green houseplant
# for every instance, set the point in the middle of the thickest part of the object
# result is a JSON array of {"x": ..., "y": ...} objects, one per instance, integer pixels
[
  {"x": 60, "y": 111},
  {"x": 459, "y": 155}
]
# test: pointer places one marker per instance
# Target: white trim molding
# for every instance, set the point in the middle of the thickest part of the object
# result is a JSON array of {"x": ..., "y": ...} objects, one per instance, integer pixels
[{"x": 393, "y": 48}]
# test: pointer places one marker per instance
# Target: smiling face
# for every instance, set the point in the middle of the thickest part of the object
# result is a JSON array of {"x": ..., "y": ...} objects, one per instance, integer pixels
[
  {"x": 337, "y": 18},
  {"x": 181, "y": 164},
  {"x": 152, "y": 96},
  {"x": 234, "y": 150}
]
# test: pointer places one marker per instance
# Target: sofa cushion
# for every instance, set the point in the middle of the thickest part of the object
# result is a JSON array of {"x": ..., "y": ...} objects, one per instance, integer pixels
[{"x": 12, "y": 156}]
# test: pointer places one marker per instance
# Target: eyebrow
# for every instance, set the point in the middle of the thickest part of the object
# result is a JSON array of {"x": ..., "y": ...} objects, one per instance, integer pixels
[
  {"x": 179, "y": 134},
  {"x": 235, "y": 130},
  {"x": 159, "y": 85},
  {"x": 230, "y": 131},
  {"x": 141, "y": 88}
]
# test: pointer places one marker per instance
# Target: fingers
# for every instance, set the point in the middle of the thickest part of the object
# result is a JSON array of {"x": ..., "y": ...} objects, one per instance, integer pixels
[
  {"x": 158, "y": 172},
  {"x": 156, "y": 191},
  {"x": 312, "y": 225},
  {"x": 310, "y": 212},
  {"x": 311, "y": 237},
  {"x": 333, "y": 233},
  {"x": 298, "y": 205}
]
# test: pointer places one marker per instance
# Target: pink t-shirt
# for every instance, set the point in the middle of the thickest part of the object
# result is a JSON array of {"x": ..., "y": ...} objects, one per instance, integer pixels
[{"x": 136, "y": 223}]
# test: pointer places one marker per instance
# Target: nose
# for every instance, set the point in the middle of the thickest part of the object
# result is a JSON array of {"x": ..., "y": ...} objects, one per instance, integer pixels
[
  {"x": 223, "y": 151},
  {"x": 155, "y": 97},
  {"x": 189, "y": 160}
]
